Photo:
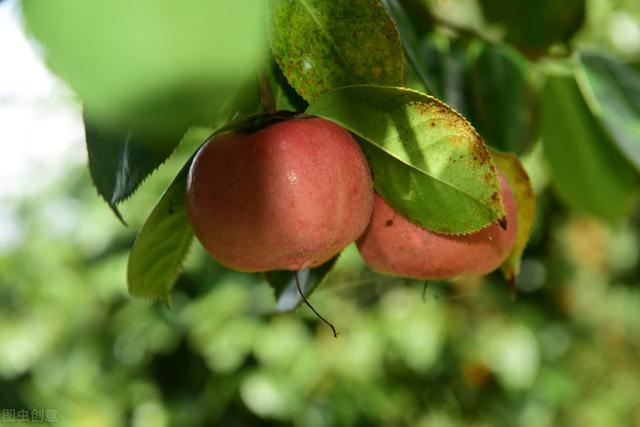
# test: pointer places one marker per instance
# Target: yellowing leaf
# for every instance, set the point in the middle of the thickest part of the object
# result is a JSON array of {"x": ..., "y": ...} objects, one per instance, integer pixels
[{"x": 520, "y": 184}]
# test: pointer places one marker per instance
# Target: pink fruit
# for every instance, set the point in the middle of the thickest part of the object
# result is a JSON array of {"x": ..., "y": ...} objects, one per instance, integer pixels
[
  {"x": 287, "y": 197},
  {"x": 393, "y": 245}
]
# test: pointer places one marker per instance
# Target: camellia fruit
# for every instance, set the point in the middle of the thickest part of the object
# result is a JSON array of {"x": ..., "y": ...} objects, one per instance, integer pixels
[
  {"x": 287, "y": 197},
  {"x": 394, "y": 245}
]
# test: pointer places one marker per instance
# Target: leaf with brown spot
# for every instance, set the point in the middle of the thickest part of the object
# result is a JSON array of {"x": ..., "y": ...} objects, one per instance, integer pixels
[
  {"x": 520, "y": 184},
  {"x": 321, "y": 45},
  {"x": 442, "y": 177}
]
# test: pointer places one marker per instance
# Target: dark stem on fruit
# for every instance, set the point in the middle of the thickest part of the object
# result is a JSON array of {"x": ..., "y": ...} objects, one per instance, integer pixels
[
  {"x": 335, "y": 333},
  {"x": 503, "y": 223},
  {"x": 266, "y": 94},
  {"x": 511, "y": 281},
  {"x": 424, "y": 290}
]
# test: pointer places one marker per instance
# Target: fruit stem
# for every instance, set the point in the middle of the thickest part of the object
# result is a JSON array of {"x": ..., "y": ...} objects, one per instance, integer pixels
[
  {"x": 424, "y": 291},
  {"x": 266, "y": 94},
  {"x": 513, "y": 289},
  {"x": 335, "y": 333}
]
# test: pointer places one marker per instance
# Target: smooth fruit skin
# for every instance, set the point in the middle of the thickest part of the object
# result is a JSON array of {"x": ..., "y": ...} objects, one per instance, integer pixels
[
  {"x": 393, "y": 245},
  {"x": 288, "y": 197}
]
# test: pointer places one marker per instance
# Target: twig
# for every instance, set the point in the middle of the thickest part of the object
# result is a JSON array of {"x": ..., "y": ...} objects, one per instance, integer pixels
[
  {"x": 461, "y": 29},
  {"x": 424, "y": 290},
  {"x": 513, "y": 288},
  {"x": 528, "y": 52},
  {"x": 335, "y": 333},
  {"x": 266, "y": 94}
]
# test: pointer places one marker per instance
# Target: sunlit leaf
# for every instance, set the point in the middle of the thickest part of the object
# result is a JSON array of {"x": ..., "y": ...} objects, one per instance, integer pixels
[
  {"x": 588, "y": 170},
  {"x": 613, "y": 89},
  {"x": 427, "y": 160},
  {"x": 520, "y": 184},
  {"x": 285, "y": 287},
  {"x": 321, "y": 45}
]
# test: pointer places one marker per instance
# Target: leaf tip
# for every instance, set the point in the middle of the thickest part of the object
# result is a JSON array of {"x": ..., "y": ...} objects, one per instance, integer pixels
[
  {"x": 117, "y": 213},
  {"x": 503, "y": 223}
]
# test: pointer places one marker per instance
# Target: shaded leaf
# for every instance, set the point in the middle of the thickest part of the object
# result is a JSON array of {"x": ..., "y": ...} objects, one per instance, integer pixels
[
  {"x": 121, "y": 159},
  {"x": 613, "y": 89},
  {"x": 321, "y": 45},
  {"x": 284, "y": 284},
  {"x": 536, "y": 25},
  {"x": 504, "y": 98},
  {"x": 588, "y": 171},
  {"x": 520, "y": 184},
  {"x": 410, "y": 41},
  {"x": 427, "y": 160},
  {"x": 445, "y": 62},
  {"x": 285, "y": 97},
  {"x": 245, "y": 102}
]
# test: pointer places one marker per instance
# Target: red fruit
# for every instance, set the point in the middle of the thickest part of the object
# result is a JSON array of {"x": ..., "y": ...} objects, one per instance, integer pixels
[
  {"x": 287, "y": 197},
  {"x": 393, "y": 245}
]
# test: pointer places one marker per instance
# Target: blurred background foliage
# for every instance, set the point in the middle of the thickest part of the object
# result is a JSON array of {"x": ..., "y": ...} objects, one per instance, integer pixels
[{"x": 565, "y": 353}]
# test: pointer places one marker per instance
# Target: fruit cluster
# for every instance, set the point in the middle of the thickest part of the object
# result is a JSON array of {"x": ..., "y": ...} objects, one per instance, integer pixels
[{"x": 294, "y": 194}]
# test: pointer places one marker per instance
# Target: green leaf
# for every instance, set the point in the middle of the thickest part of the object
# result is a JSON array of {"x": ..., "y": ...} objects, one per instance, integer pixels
[
  {"x": 427, "y": 160},
  {"x": 285, "y": 97},
  {"x": 536, "y": 25},
  {"x": 245, "y": 102},
  {"x": 321, "y": 45},
  {"x": 444, "y": 60},
  {"x": 410, "y": 41},
  {"x": 286, "y": 290},
  {"x": 613, "y": 91},
  {"x": 158, "y": 62},
  {"x": 520, "y": 184},
  {"x": 588, "y": 171},
  {"x": 504, "y": 98},
  {"x": 163, "y": 242},
  {"x": 121, "y": 159}
]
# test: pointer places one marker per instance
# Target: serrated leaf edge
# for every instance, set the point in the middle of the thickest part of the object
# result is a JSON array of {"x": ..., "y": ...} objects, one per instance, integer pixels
[{"x": 466, "y": 122}]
